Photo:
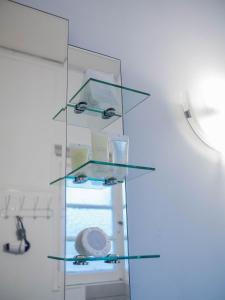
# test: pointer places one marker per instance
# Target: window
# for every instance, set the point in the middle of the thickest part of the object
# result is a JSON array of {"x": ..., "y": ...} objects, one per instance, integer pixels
[
  {"x": 104, "y": 207},
  {"x": 88, "y": 207}
]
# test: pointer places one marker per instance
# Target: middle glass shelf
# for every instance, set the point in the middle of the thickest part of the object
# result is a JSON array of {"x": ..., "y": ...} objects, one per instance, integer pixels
[
  {"x": 98, "y": 103},
  {"x": 106, "y": 172}
]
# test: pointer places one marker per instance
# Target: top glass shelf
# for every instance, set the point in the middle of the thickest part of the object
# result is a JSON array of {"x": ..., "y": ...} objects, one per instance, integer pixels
[{"x": 98, "y": 103}]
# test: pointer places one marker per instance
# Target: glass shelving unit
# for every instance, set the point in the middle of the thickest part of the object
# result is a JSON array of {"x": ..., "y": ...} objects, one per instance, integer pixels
[
  {"x": 107, "y": 259},
  {"x": 106, "y": 172},
  {"x": 98, "y": 104}
]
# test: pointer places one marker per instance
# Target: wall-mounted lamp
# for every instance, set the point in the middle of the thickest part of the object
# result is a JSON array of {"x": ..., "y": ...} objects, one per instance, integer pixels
[{"x": 205, "y": 110}]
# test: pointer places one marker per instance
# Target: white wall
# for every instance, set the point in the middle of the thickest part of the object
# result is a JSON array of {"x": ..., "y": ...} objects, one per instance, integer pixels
[
  {"x": 180, "y": 209},
  {"x": 30, "y": 90},
  {"x": 33, "y": 83}
]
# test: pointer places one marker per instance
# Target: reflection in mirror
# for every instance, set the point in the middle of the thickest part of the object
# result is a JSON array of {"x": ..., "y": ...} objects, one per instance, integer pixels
[
  {"x": 33, "y": 74},
  {"x": 95, "y": 212}
]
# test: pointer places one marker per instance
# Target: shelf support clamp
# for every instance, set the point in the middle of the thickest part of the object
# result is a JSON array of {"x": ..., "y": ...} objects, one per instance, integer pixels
[
  {"x": 81, "y": 178},
  {"x": 108, "y": 113},
  {"x": 110, "y": 181},
  {"x": 113, "y": 259},
  {"x": 80, "y": 107},
  {"x": 80, "y": 260}
]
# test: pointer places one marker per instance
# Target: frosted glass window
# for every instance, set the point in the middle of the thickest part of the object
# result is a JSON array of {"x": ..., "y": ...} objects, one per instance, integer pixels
[
  {"x": 81, "y": 218},
  {"x": 88, "y": 208},
  {"x": 89, "y": 196}
]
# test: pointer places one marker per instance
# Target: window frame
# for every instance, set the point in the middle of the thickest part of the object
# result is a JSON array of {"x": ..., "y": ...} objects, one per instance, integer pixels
[{"x": 117, "y": 274}]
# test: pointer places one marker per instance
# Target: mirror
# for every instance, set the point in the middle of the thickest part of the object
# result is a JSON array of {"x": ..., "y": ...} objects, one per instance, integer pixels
[
  {"x": 33, "y": 80},
  {"x": 93, "y": 204}
]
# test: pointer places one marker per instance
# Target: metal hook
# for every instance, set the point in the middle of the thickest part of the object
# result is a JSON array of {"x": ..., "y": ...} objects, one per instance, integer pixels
[
  {"x": 7, "y": 203},
  {"x": 22, "y": 200},
  {"x": 48, "y": 208},
  {"x": 35, "y": 207}
]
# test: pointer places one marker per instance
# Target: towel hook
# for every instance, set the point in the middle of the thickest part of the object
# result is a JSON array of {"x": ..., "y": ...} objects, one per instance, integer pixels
[
  {"x": 35, "y": 207},
  {"x": 7, "y": 203},
  {"x": 48, "y": 208},
  {"x": 22, "y": 200}
]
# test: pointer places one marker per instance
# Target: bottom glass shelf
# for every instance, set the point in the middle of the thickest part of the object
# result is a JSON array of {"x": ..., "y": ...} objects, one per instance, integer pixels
[{"x": 107, "y": 259}]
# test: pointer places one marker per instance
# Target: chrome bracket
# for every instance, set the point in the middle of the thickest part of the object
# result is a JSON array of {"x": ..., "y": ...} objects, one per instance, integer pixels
[
  {"x": 110, "y": 181},
  {"x": 81, "y": 178},
  {"x": 115, "y": 259},
  {"x": 80, "y": 107},
  {"x": 187, "y": 114},
  {"x": 108, "y": 113},
  {"x": 82, "y": 262}
]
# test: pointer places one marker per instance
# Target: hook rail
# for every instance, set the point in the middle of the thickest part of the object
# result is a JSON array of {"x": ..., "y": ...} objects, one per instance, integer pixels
[{"x": 27, "y": 205}]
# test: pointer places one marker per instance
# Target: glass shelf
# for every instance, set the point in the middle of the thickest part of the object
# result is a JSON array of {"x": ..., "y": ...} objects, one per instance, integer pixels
[
  {"x": 110, "y": 258},
  {"x": 106, "y": 172},
  {"x": 88, "y": 107},
  {"x": 91, "y": 118}
]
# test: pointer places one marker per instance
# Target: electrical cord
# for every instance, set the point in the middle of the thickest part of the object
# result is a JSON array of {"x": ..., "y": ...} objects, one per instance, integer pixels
[{"x": 21, "y": 233}]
